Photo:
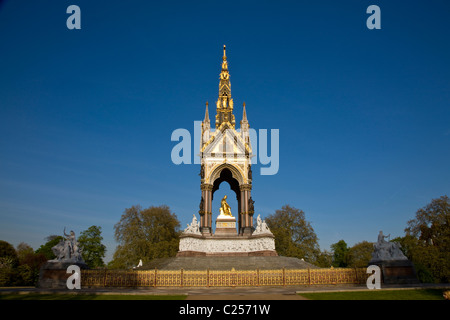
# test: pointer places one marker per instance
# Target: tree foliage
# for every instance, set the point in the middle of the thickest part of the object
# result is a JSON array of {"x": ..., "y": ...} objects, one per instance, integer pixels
[
  {"x": 294, "y": 235},
  {"x": 8, "y": 255},
  {"x": 19, "y": 267},
  {"x": 145, "y": 234},
  {"x": 46, "y": 248},
  {"x": 360, "y": 254},
  {"x": 427, "y": 241},
  {"x": 92, "y": 249},
  {"x": 340, "y": 254}
]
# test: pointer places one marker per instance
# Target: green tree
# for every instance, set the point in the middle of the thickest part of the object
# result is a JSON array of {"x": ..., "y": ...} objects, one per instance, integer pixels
[
  {"x": 427, "y": 240},
  {"x": 145, "y": 234},
  {"x": 340, "y": 254},
  {"x": 324, "y": 259},
  {"x": 92, "y": 249},
  {"x": 8, "y": 263},
  {"x": 360, "y": 254},
  {"x": 294, "y": 236},
  {"x": 8, "y": 255},
  {"x": 23, "y": 250}
]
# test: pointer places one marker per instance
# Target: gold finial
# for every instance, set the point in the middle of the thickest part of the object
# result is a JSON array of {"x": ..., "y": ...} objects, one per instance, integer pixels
[
  {"x": 224, "y": 53},
  {"x": 206, "y": 103}
]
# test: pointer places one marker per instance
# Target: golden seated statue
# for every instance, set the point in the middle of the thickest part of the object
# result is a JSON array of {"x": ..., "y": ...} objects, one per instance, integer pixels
[{"x": 225, "y": 209}]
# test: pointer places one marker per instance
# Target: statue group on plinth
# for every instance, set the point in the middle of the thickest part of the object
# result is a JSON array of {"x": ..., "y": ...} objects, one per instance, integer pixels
[
  {"x": 261, "y": 226},
  {"x": 386, "y": 251},
  {"x": 193, "y": 227},
  {"x": 395, "y": 266},
  {"x": 68, "y": 250},
  {"x": 53, "y": 274}
]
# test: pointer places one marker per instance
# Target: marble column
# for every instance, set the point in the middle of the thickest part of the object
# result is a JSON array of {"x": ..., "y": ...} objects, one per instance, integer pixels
[
  {"x": 246, "y": 218},
  {"x": 205, "y": 219}
]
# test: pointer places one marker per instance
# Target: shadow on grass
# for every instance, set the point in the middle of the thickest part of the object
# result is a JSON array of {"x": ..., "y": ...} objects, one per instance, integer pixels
[
  {"x": 414, "y": 294},
  {"x": 68, "y": 296}
]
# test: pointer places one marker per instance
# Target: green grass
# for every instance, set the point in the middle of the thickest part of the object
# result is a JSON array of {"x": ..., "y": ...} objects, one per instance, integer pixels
[
  {"x": 68, "y": 296},
  {"x": 414, "y": 294}
]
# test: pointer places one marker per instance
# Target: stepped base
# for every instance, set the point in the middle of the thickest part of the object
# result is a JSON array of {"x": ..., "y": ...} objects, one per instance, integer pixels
[{"x": 227, "y": 263}]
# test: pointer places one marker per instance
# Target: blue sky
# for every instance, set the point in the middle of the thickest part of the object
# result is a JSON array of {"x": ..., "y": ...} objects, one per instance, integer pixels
[{"x": 86, "y": 115}]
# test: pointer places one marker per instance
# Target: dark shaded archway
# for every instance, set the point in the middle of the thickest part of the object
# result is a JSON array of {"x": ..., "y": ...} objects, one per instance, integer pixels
[{"x": 226, "y": 175}]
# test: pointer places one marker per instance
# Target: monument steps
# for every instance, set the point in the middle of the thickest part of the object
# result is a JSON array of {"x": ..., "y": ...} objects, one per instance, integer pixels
[{"x": 227, "y": 263}]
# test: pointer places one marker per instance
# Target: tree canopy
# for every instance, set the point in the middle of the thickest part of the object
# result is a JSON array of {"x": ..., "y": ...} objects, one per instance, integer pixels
[
  {"x": 427, "y": 240},
  {"x": 46, "y": 248},
  {"x": 294, "y": 235},
  {"x": 145, "y": 234},
  {"x": 92, "y": 249},
  {"x": 340, "y": 254}
]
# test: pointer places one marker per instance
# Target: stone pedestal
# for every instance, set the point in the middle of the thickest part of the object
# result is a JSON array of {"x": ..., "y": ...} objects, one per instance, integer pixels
[
  {"x": 225, "y": 226},
  {"x": 396, "y": 271},
  {"x": 226, "y": 241},
  {"x": 53, "y": 274},
  {"x": 192, "y": 245}
]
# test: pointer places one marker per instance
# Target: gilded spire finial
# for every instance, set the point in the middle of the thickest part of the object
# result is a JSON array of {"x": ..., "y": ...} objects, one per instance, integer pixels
[
  {"x": 244, "y": 114},
  {"x": 224, "y": 102},
  {"x": 206, "y": 120}
]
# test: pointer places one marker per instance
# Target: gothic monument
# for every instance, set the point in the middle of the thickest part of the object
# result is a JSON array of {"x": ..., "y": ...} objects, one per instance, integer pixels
[{"x": 225, "y": 155}]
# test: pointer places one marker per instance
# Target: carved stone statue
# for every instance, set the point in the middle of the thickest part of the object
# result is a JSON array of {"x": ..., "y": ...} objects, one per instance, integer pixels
[
  {"x": 225, "y": 209},
  {"x": 194, "y": 227},
  {"x": 261, "y": 226},
  {"x": 251, "y": 205},
  {"x": 68, "y": 250},
  {"x": 202, "y": 171},
  {"x": 202, "y": 205},
  {"x": 386, "y": 251}
]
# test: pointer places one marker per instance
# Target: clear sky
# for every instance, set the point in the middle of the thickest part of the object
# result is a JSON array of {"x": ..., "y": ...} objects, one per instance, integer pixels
[{"x": 86, "y": 116}]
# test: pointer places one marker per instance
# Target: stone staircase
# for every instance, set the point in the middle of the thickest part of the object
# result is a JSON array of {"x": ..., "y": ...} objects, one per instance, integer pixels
[{"x": 227, "y": 263}]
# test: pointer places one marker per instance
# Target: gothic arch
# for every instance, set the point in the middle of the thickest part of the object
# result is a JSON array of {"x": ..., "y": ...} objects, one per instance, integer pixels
[{"x": 235, "y": 172}]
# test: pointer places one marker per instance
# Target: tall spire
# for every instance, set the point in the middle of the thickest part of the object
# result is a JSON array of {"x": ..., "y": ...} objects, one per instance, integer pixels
[
  {"x": 206, "y": 114},
  {"x": 244, "y": 115},
  {"x": 245, "y": 126},
  {"x": 206, "y": 127},
  {"x": 224, "y": 102}
]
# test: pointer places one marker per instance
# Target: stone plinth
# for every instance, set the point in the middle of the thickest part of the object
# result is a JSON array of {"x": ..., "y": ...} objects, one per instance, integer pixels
[
  {"x": 226, "y": 245},
  {"x": 396, "y": 271},
  {"x": 53, "y": 274},
  {"x": 225, "y": 226}
]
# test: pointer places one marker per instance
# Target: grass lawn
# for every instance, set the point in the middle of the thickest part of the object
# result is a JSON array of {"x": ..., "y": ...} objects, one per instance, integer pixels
[
  {"x": 68, "y": 296},
  {"x": 414, "y": 294}
]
